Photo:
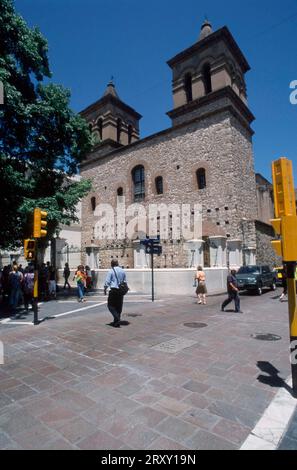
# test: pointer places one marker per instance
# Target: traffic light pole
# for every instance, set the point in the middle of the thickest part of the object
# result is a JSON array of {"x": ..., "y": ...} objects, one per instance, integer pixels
[
  {"x": 153, "y": 286},
  {"x": 285, "y": 226},
  {"x": 291, "y": 267},
  {"x": 35, "y": 295}
]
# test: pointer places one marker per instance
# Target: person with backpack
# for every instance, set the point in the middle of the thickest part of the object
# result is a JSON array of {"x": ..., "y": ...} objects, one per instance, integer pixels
[
  {"x": 116, "y": 281},
  {"x": 15, "y": 283},
  {"x": 80, "y": 278},
  {"x": 28, "y": 287}
]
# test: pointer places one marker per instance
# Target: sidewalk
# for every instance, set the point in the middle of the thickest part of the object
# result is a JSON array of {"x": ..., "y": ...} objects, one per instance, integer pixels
[
  {"x": 176, "y": 375},
  {"x": 289, "y": 441}
]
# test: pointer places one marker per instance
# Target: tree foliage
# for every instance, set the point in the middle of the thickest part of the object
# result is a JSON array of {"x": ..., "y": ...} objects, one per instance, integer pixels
[{"x": 42, "y": 140}]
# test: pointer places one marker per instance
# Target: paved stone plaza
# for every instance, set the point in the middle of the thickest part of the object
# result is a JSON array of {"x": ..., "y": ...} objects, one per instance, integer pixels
[{"x": 73, "y": 382}]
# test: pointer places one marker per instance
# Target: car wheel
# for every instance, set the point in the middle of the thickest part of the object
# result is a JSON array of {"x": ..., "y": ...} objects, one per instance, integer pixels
[
  {"x": 259, "y": 289},
  {"x": 273, "y": 286}
]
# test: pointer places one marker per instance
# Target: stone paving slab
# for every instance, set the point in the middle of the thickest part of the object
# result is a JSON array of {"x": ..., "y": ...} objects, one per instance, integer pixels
[{"x": 77, "y": 383}]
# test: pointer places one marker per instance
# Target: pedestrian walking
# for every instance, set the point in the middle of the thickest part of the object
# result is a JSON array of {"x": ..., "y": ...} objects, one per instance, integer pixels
[
  {"x": 284, "y": 284},
  {"x": 116, "y": 281},
  {"x": 43, "y": 280},
  {"x": 201, "y": 290},
  {"x": 52, "y": 283},
  {"x": 88, "y": 278},
  {"x": 5, "y": 283},
  {"x": 28, "y": 287},
  {"x": 15, "y": 284},
  {"x": 80, "y": 279},
  {"x": 66, "y": 275},
  {"x": 233, "y": 292},
  {"x": 21, "y": 269}
]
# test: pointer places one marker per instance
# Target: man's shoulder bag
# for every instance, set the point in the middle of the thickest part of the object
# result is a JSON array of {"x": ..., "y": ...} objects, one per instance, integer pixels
[{"x": 123, "y": 286}]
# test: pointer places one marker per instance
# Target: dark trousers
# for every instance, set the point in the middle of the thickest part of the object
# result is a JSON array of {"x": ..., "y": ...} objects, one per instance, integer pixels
[
  {"x": 66, "y": 283},
  {"x": 115, "y": 304},
  {"x": 28, "y": 299},
  {"x": 232, "y": 295}
]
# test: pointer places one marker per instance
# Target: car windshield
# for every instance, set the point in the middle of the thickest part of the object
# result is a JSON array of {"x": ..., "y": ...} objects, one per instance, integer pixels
[{"x": 248, "y": 270}]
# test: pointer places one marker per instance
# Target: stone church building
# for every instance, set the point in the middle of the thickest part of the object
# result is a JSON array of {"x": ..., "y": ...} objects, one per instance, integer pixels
[{"x": 205, "y": 157}]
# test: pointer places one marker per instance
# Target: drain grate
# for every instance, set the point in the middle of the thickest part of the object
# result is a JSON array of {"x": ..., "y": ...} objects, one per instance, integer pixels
[
  {"x": 174, "y": 345},
  {"x": 266, "y": 337},
  {"x": 134, "y": 315},
  {"x": 195, "y": 325}
]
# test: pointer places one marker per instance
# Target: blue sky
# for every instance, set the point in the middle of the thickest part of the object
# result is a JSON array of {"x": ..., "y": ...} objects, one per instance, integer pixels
[{"x": 90, "y": 40}]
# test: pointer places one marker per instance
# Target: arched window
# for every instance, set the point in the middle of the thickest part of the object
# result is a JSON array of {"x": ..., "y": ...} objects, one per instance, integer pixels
[
  {"x": 138, "y": 183},
  {"x": 120, "y": 192},
  {"x": 159, "y": 184},
  {"x": 96, "y": 137},
  {"x": 100, "y": 126},
  {"x": 188, "y": 87},
  {"x": 93, "y": 203},
  {"x": 201, "y": 178},
  {"x": 206, "y": 74},
  {"x": 130, "y": 132},
  {"x": 119, "y": 129}
]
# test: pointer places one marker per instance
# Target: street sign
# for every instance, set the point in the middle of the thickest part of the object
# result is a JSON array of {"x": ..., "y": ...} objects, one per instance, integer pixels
[
  {"x": 152, "y": 247},
  {"x": 150, "y": 241},
  {"x": 155, "y": 250}
]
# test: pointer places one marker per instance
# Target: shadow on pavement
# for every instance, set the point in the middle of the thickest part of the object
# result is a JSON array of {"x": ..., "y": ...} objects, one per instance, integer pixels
[{"x": 273, "y": 379}]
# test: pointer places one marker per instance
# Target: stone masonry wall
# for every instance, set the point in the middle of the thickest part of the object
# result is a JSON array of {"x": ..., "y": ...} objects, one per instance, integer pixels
[
  {"x": 216, "y": 143},
  {"x": 265, "y": 252},
  {"x": 243, "y": 174}
]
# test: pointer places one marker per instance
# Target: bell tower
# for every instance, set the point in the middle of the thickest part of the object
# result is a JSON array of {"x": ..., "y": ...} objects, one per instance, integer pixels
[
  {"x": 112, "y": 122},
  {"x": 208, "y": 71}
]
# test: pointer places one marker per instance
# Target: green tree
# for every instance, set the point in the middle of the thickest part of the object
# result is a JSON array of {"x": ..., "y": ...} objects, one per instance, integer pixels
[{"x": 42, "y": 140}]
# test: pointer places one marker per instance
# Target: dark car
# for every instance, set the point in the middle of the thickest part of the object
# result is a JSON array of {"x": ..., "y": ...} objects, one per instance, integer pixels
[{"x": 255, "y": 278}]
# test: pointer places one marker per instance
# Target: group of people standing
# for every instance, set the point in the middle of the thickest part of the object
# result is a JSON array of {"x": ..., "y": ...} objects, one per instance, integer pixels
[
  {"x": 17, "y": 286},
  {"x": 47, "y": 282}
]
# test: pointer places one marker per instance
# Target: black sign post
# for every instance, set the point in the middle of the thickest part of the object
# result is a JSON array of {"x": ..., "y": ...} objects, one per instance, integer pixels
[{"x": 152, "y": 247}]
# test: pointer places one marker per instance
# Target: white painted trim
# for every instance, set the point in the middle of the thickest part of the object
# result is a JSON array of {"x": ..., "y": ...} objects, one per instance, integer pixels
[
  {"x": 78, "y": 310},
  {"x": 269, "y": 430}
]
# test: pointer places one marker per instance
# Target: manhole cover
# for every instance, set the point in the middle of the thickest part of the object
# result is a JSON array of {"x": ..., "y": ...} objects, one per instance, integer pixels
[
  {"x": 266, "y": 337},
  {"x": 195, "y": 325},
  {"x": 134, "y": 315},
  {"x": 174, "y": 345}
]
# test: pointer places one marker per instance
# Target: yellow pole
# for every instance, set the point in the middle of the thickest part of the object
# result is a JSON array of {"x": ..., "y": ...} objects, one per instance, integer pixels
[
  {"x": 35, "y": 293},
  {"x": 292, "y": 304}
]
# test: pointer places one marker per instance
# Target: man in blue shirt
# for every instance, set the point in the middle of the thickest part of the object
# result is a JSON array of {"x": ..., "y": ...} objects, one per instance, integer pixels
[
  {"x": 233, "y": 292},
  {"x": 114, "y": 277}
]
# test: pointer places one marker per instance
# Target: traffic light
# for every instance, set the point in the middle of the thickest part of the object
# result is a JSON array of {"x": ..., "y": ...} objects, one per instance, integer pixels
[
  {"x": 283, "y": 187},
  {"x": 285, "y": 223},
  {"x": 277, "y": 244},
  {"x": 30, "y": 249},
  {"x": 39, "y": 223}
]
